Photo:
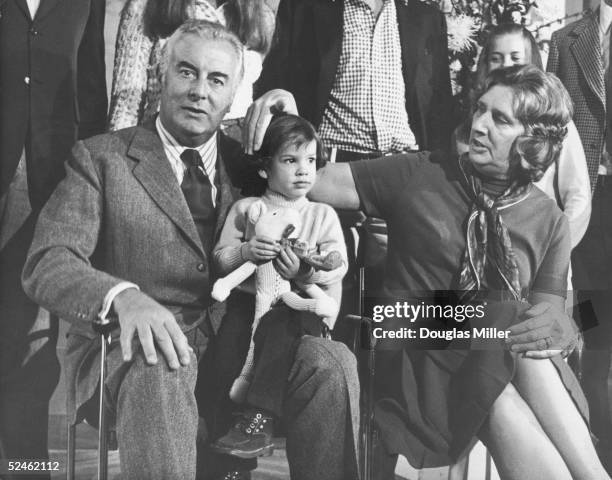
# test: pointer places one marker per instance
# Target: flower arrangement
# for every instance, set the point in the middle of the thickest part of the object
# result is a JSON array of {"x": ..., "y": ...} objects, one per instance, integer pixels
[{"x": 469, "y": 20}]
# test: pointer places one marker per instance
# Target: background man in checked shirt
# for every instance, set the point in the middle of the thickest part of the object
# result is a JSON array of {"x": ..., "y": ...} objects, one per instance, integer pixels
[
  {"x": 371, "y": 75},
  {"x": 580, "y": 57}
]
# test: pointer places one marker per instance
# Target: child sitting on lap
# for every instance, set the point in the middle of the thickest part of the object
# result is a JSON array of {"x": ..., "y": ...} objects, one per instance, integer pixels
[{"x": 289, "y": 157}]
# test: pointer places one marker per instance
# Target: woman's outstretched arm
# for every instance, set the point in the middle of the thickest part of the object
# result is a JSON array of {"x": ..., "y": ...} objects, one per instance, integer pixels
[{"x": 336, "y": 187}]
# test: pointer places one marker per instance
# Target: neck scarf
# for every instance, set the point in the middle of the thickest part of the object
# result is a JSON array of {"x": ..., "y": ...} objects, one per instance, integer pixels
[{"x": 488, "y": 247}]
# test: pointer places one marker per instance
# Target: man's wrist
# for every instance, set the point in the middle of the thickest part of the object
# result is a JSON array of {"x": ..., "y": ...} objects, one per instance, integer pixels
[{"x": 110, "y": 300}]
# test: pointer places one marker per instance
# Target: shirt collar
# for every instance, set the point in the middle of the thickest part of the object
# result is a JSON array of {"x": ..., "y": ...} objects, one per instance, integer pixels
[
  {"x": 605, "y": 16},
  {"x": 173, "y": 149},
  {"x": 168, "y": 140}
]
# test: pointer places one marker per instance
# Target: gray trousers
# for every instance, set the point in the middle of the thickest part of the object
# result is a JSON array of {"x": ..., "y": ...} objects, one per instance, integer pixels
[{"x": 157, "y": 416}]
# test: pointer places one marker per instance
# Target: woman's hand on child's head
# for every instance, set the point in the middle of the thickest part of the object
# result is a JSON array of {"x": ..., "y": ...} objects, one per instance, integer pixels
[
  {"x": 287, "y": 263},
  {"x": 261, "y": 249}
]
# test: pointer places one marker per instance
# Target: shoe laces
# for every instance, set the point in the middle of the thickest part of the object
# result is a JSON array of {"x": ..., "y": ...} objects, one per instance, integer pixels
[
  {"x": 251, "y": 424},
  {"x": 233, "y": 476}
]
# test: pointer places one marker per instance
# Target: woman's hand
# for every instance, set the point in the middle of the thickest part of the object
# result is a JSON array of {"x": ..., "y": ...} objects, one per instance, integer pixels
[
  {"x": 260, "y": 114},
  {"x": 287, "y": 263},
  {"x": 260, "y": 249},
  {"x": 546, "y": 331}
]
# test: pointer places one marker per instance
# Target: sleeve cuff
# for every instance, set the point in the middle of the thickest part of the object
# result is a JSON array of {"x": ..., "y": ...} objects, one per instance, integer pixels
[{"x": 110, "y": 297}]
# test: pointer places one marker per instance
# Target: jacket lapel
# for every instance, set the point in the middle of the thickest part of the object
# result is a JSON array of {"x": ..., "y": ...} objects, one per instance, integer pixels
[
  {"x": 228, "y": 194},
  {"x": 587, "y": 52},
  {"x": 23, "y": 6},
  {"x": 155, "y": 174},
  {"x": 45, "y": 7},
  {"x": 328, "y": 34}
]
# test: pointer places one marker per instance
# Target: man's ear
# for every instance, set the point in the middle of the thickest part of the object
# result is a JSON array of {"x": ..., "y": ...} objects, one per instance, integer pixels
[{"x": 263, "y": 174}]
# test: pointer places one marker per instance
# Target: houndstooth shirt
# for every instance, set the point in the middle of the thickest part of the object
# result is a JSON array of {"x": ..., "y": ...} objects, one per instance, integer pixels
[{"x": 366, "y": 111}]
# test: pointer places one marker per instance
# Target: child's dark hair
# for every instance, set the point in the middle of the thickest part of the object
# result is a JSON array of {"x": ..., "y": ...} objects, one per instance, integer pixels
[{"x": 285, "y": 129}]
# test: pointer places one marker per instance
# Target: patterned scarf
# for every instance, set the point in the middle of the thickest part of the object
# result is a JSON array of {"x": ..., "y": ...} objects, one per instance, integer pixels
[{"x": 488, "y": 246}]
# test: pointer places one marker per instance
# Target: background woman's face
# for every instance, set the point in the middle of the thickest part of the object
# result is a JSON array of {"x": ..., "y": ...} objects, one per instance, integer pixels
[
  {"x": 507, "y": 50},
  {"x": 494, "y": 129}
]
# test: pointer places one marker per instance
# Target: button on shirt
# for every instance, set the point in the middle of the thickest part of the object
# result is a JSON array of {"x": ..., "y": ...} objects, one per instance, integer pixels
[
  {"x": 173, "y": 150},
  {"x": 366, "y": 111}
]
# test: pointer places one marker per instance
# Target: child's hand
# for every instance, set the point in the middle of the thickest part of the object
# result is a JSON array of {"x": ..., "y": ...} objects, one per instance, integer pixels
[
  {"x": 287, "y": 263},
  {"x": 260, "y": 249}
]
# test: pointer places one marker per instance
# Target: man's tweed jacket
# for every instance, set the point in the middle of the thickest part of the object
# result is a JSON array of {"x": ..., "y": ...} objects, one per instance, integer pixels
[
  {"x": 119, "y": 215},
  {"x": 575, "y": 57}
]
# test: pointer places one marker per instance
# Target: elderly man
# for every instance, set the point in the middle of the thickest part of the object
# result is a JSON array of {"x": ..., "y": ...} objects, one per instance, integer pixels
[{"x": 131, "y": 230}]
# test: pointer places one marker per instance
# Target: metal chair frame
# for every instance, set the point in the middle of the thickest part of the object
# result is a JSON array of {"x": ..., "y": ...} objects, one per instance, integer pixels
[{"x": 104, "y": 327}]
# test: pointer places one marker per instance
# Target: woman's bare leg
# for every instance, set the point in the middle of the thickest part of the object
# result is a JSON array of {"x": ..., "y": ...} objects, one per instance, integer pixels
[
  {"x": 538, "y": 382},
  {"x": 520, "y": 447}
]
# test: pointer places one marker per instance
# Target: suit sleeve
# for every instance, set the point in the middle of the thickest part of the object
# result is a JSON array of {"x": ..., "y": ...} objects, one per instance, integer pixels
[
  {"x": 553, "y": 56},
  {"x": 91, "y": 74},
  {"x": 58, "y": 274},
  {"x": 273, "y": 74},
  {"x": 441, "y": 119},
  {"x": 130, "y": 71}
]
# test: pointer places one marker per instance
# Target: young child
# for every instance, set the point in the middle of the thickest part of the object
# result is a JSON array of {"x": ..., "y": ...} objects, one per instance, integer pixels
[{"x": 287, "y": 162}]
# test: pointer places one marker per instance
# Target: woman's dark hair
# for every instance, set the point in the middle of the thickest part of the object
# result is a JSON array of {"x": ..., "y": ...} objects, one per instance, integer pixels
[
  {"x": 544, "y": 107},
  {"x": 163, "y": 17},
  {"x": 284, "y": 130},
  {"x": 251, "y": 20}
]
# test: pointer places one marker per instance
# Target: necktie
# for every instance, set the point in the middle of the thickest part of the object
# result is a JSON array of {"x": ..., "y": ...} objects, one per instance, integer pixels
[{"x": 197, "y": 190}]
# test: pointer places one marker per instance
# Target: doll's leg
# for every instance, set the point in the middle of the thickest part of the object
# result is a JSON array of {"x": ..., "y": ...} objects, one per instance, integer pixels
[
  {"x": 323, "y": 305},
  {"x": 240, "y": 386}
]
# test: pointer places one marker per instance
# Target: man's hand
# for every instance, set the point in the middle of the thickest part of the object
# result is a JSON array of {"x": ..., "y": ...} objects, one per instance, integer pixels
[
  {"x": 260, "y": 114},
  {"x": 139, "y": 313},
  {"x": 546, "y": 331},
  {"x": 260, "y": 249},
  {"x": 287, "y": 263}
]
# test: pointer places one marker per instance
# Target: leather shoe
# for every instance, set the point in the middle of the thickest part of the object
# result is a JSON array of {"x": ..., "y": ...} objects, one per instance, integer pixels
[{"x": 250, "y": 437}]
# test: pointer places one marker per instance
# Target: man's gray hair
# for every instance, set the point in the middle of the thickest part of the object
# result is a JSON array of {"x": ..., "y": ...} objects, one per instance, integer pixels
[{"x": 207, "y": 31}]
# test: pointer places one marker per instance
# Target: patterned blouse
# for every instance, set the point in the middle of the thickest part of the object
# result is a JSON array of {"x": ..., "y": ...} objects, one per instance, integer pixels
[{"x": 136, "y": 87}]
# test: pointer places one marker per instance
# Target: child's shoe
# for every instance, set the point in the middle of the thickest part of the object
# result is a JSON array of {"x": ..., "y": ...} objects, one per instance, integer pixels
[{"x": 250, "y": 437}]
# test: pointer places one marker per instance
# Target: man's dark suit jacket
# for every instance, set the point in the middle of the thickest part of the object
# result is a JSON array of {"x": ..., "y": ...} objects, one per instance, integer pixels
[
  {"x": 306, "y": 51},
  {"x": 119, "y": 215},
  {"x": 52, "y": 86}
]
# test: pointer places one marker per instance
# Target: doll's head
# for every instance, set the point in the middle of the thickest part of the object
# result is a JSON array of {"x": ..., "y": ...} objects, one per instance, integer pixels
[{"x": 291, "y": 152}]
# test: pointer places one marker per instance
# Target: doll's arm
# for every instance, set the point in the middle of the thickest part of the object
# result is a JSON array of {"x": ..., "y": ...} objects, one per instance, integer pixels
[
  {"x": 223, "y": 286},
  {"x": 228, "y": 253}
]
